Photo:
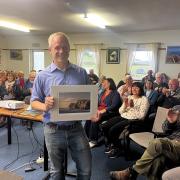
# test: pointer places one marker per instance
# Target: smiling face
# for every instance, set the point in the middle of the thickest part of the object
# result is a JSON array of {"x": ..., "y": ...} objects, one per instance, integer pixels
[
  {"x": 106, "y": 84},
  {"x": 149, "y": 85},
  {"x": 136, "y": 91},
  {"x": 173, "y": 84},
  {"x": 59, "y": 49},
  {"x": 10, "y": 77}
]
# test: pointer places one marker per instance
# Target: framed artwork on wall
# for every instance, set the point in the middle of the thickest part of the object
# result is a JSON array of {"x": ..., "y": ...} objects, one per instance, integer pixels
[
  {"x": 16, "y": 54},
  {"x": 173, "y": 55},
  {"x": 113, "y": 56}
]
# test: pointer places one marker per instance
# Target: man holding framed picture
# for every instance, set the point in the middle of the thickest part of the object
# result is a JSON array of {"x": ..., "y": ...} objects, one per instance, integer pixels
[{"x": 62, "y": 134}]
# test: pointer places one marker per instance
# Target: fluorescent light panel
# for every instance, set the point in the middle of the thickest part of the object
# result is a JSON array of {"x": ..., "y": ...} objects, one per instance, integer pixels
[
  {"x": 96, "y": 20},
  {"x": 14, "y": 26}
]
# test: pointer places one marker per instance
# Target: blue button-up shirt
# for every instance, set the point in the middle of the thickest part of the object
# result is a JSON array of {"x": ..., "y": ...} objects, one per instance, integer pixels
[{"x": 53, "y": 76}]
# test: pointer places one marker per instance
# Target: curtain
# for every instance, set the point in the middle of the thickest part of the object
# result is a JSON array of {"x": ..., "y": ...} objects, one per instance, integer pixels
[{"x": 94, "y": 50}]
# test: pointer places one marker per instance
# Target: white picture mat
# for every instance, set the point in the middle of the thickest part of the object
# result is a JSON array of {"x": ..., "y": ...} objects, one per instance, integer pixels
[{"x": 57, "y": 90}]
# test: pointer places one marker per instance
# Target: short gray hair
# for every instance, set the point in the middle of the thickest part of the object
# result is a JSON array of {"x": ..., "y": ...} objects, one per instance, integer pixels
[
  {"x": 60, "y": 34},
  {"x": 158, "y": 74}
]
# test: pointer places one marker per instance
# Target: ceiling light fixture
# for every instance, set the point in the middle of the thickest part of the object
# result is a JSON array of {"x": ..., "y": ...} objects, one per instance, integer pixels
[
  {"x": 14, "y": 26},
  {"x": 95, "y": 19}
]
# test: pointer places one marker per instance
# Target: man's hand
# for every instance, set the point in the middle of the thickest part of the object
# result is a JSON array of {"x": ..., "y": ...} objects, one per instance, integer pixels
[
  {"x": 172, "y": 116},
  {"x": 166, "y": 91},
  {"x": 49, "y": 102}
]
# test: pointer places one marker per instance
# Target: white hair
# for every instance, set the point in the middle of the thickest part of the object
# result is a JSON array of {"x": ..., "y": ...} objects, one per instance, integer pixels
[
  {"x": 158, "y": 74},
  {"x": 59, "y": 34}
]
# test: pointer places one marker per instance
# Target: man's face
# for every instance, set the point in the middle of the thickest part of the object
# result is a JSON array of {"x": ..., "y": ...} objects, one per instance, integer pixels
[
  {"x": 59, "y": 49},
  {"x": 173, "y": 85},
  {"x": 32, "y": 76}
]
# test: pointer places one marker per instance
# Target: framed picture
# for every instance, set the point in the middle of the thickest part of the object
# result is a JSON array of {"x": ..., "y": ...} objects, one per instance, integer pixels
[
  {"x": 16, "y": 54},
  {"x": 173, "y": 55},
  {"x": 74, "y": 102},
  {"x": 113, "y": 56}
]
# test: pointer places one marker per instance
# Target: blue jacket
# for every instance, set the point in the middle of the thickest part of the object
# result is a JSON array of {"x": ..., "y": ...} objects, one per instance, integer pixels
[
  {"x": 112, "y": 101},
  {"x": 153, "y": 97}
]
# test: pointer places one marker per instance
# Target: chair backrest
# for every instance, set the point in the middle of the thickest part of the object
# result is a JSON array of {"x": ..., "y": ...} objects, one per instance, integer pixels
[{"x": 159, "y": 120}]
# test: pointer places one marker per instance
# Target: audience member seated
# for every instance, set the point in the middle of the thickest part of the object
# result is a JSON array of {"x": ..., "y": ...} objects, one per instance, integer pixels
[
  {"x": 149, "y": 76},
  {"x": 121, "y": 82},
  {"x": 109, "y": 103},
  {"x": 170, "y": 97},
  {"x": 152, "y": 95},
  {"x": 20, "y": 79},
  {"x": 179, "y": 78},
  {"x": 161, "y": 153},
  {"x": 134, "y": 108},
  {"x": 100, "y": 84},
  {"x": 9, "y": 84},
  {"x": 93, "y": 77},
  {"x": 158, "y": 83},
  {"x": 165, "y": 78},
  {"x": 27, "y": 90},
  {"x": 125, "y": 90},
  {"x": 3, "y": 92}
]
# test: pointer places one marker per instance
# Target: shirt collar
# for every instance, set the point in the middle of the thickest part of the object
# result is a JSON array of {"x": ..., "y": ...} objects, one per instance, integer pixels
[{"x": 54, "y": 67}]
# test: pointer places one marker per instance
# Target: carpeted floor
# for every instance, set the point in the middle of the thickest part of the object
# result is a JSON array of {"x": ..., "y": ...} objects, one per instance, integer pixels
[{"x": 27, "y": 146}]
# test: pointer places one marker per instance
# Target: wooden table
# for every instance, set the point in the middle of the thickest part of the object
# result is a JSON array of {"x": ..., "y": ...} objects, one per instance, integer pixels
[{"x": 9, "y": 113}]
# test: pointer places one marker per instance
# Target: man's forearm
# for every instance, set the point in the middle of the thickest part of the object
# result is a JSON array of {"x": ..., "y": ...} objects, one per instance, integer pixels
[{"x": 38, "y": 105}]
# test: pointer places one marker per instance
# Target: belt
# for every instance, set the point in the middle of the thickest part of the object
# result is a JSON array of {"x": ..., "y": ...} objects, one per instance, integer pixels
[{"x": 63, "y": 127}]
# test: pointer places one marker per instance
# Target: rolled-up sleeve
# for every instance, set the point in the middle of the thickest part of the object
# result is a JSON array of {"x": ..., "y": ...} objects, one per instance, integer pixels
[{"x": 37, "y": 91}]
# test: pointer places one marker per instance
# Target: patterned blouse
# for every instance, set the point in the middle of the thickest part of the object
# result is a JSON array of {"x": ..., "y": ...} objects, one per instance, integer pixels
[{"x": 138, "y": 112}]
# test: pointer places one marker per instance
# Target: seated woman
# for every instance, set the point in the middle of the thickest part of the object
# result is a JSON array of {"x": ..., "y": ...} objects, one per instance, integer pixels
[
  {"x": 9, "y": 83},
  {"x": 109, "y": 103},
  {"x": 152, "y": 95},
  {"x": 134, "y": 108}
]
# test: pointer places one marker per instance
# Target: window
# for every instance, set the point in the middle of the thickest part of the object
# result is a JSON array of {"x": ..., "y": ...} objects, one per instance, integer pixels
[
  {"x": 142, "y": 57},
  {"x": 89, "y": 61},
  {"x": 38, "y": 60},
  {"x": 141, "y": 64},
  {"x": 88, "y": 58}
]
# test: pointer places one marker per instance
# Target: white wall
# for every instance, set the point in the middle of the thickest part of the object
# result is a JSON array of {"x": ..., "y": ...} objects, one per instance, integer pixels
[{"x": 116, "y": 71}]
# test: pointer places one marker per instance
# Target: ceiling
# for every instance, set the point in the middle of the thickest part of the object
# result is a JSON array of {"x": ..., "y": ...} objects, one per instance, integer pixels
[{"x": 46, "y": 16}]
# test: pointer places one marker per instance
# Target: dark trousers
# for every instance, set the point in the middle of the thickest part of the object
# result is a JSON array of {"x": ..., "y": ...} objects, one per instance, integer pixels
[
  {"x": 92, "y": 128},
  {"x": 113, "y": 128}
]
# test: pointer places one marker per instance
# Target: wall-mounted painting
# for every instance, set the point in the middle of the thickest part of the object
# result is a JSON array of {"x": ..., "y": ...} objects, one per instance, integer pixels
[
  {"x": 173, "y": 55},
  {"x": 113, "y": 56},
  {"x": 16, "y": 54}
]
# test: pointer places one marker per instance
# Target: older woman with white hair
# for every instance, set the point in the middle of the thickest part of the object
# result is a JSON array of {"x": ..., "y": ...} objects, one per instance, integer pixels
[
  {"x": 125, "y": 90},
  {"x": 158, "y": 83}
]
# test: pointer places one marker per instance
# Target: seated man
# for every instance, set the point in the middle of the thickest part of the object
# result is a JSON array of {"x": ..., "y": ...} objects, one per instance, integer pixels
[
  {"x": 170, "y": 96},
  {"x": 160, "y": 150}
]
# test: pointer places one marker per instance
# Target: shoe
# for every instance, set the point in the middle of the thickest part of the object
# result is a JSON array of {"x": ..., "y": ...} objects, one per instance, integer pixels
[
  {"x": 115, "y": 153},
  {"x": 108, "y": 149},
  {"x": 91, "y": 144},
  {"x": 121, "y": 175}
]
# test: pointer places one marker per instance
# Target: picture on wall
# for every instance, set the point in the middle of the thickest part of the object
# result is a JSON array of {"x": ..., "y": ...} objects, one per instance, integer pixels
[
  {"x": 113, "y": 56},
  {"x": 173, "y": 55},
  {"x": 16, "y": 54}
]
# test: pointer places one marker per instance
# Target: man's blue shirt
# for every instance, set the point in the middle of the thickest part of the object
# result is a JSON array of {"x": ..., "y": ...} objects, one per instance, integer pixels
[{"x": 53, "y": 76}]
